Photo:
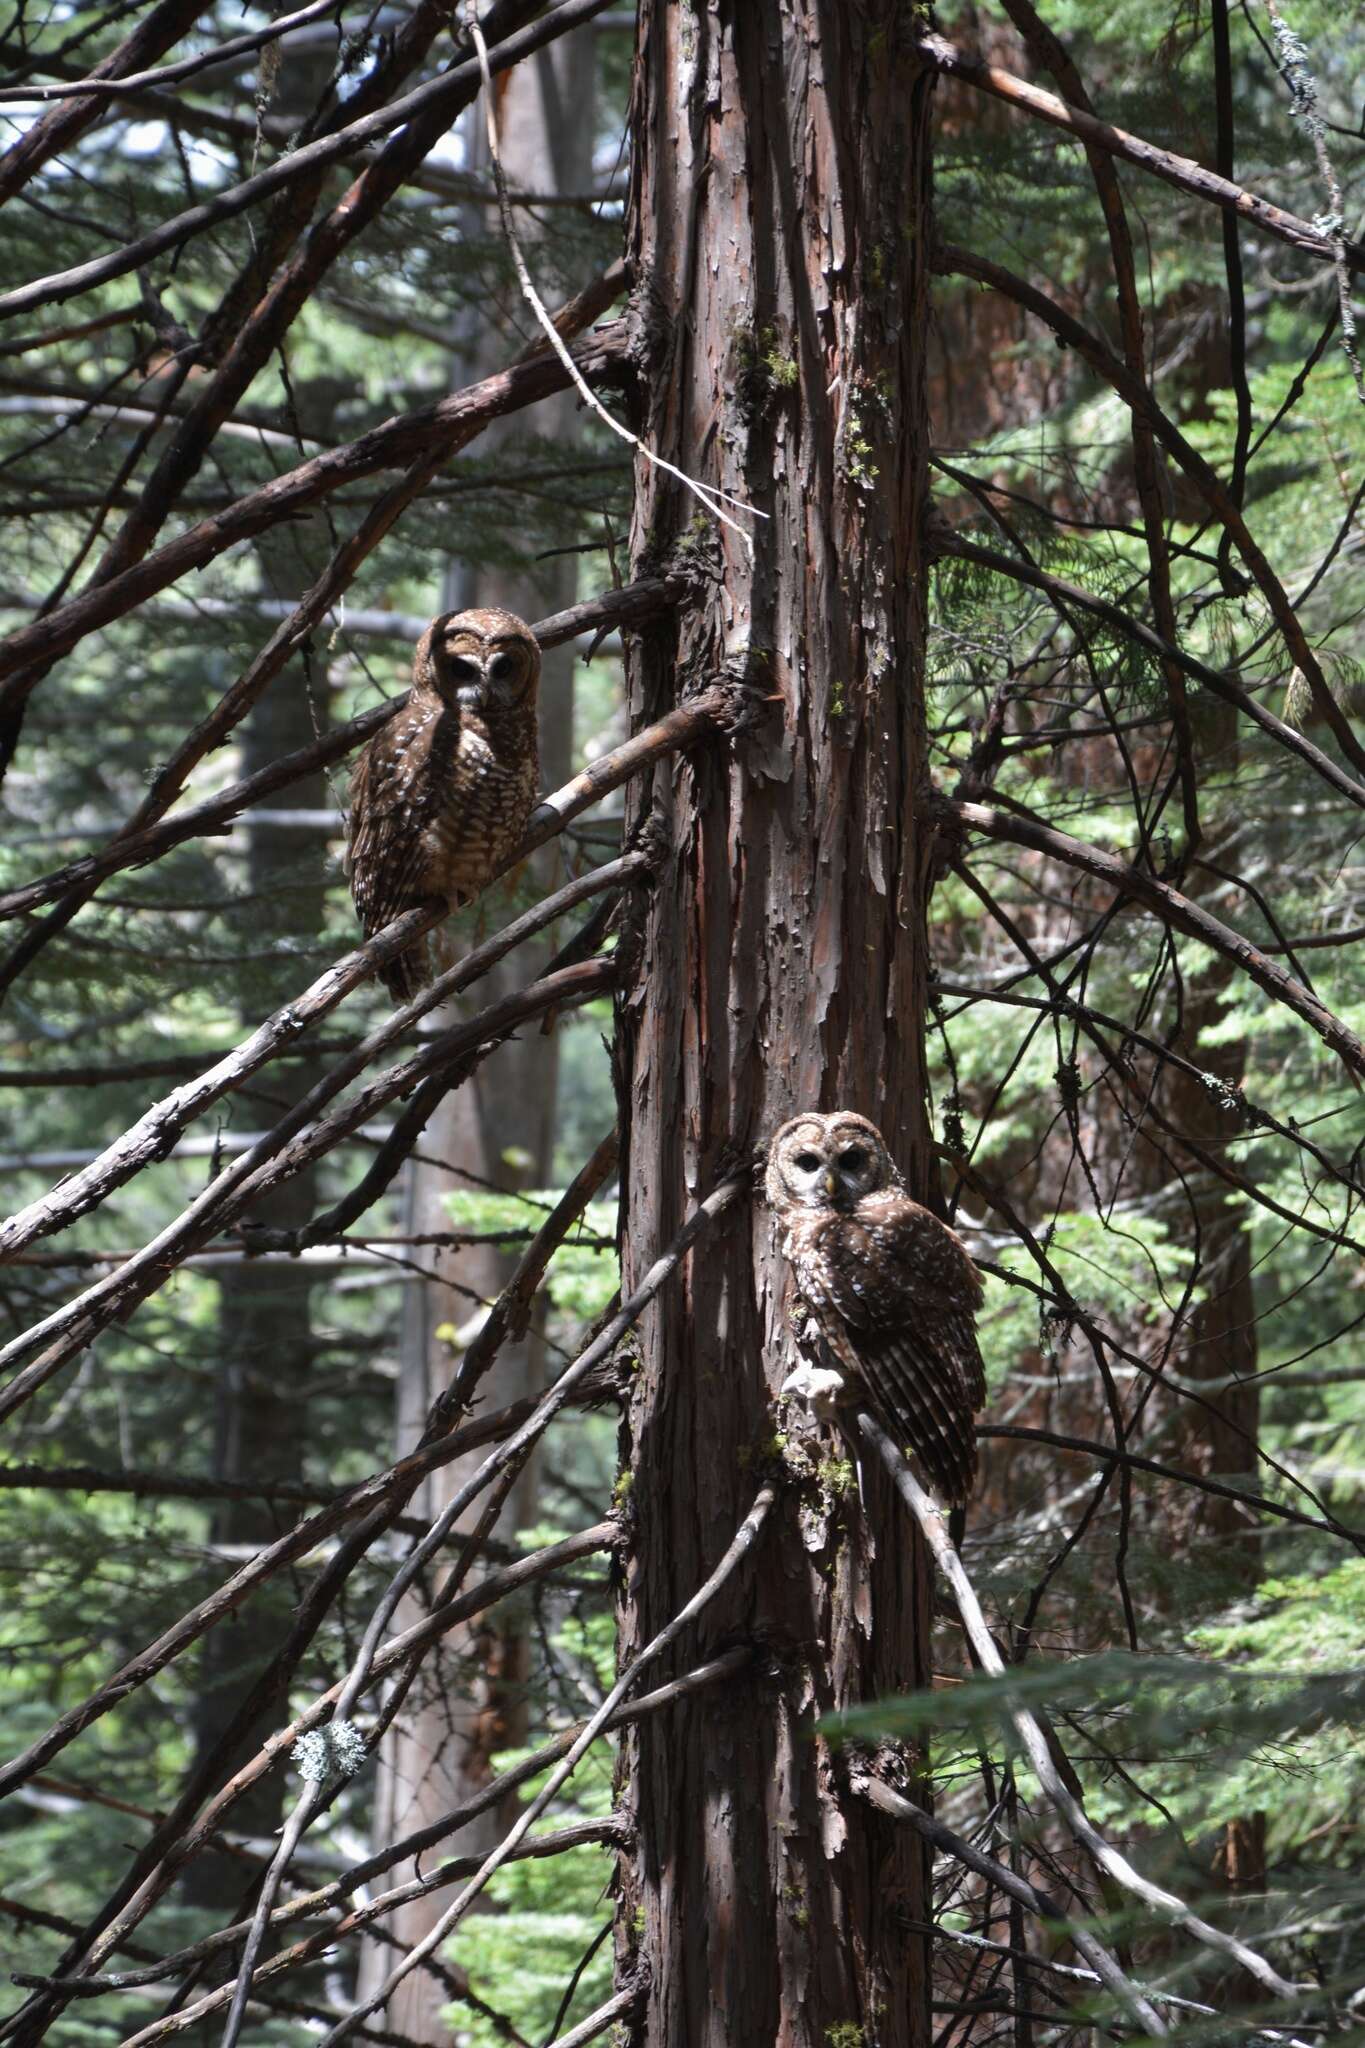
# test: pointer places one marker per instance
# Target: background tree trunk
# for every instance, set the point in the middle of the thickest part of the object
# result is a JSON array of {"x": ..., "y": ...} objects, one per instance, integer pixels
[
  {"x": 497, "y": 1130},
  {"x": 778, "y": 228},
  {"x": 266, "y": 1341}
]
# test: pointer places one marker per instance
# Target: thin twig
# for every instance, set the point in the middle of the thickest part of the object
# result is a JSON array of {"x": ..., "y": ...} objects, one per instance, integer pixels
[{"x": 311, "y": 1905}]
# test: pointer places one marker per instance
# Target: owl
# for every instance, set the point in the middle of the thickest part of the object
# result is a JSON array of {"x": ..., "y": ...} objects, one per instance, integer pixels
[
  {"x": 890, "y": 1289},
  {"x": 441, "y": 795}
]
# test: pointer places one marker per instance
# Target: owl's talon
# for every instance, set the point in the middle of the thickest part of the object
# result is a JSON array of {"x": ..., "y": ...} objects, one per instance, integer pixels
[{"x": 819, "y": 1387}]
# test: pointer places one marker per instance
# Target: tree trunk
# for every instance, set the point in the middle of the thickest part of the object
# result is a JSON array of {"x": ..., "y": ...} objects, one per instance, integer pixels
[{"x": 779, "y": 231}]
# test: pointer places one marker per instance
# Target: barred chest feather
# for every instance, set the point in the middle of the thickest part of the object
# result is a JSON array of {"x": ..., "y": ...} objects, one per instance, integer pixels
[{"x": 481, "y": 828}]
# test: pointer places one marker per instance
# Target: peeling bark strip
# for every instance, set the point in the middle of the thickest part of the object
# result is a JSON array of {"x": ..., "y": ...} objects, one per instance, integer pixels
[{"x": 778, "y": 231}]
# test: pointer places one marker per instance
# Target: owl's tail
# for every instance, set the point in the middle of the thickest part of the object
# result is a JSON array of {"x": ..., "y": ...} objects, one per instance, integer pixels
[
  {"x": 408, "y": 973},
  {"x": 919, "y": 1394}
]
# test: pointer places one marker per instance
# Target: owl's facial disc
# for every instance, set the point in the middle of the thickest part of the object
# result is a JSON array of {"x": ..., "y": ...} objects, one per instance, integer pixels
[
  {"x": 808, "y": 1172},
  {"x": 856, "y": 1169},
  {"x": 462, "y": 675},
  {"x": 491, "y": 679},
  {"x": 835, "y": 1170}
]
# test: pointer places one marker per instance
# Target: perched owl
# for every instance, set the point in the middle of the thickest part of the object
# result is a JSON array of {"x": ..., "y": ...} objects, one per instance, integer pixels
[
  {"x": 441, "y": 796},
  {"x": 891, "y": 1289}
]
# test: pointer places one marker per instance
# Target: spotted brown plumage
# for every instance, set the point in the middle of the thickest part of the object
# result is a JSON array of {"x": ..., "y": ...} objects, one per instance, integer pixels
[
  {"x": 441, "y": 795},
  {"x": 889, "y": 1287}
]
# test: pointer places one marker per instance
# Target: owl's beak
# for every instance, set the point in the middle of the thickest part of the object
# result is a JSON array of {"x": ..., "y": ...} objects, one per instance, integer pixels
[{"x": 831, "y": 1186}]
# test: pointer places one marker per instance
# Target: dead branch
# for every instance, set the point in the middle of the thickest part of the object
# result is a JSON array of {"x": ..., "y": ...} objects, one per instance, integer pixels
[
  {"x": 439, "y": 98},
  {"x": 1107, "y": 1860},
  {"x": 114, "y": 85},
  {"x": 340, "y": 1700},
  {"x": 1180, "y": 171},
  {"x": 309, "y": 1905},
  {"x": 631, "y": 605},
  {"x": 1105, "y": 1966},
  {"x": 155, "y": 1132},
  {"x": 277, "y": 1157},
  {"x": 395, "y": 442},
  {"x": 56, "y": 131}
]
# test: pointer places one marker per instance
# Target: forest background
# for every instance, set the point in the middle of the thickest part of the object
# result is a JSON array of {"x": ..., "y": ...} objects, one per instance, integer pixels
[{"x": 1154, "y": 1155}]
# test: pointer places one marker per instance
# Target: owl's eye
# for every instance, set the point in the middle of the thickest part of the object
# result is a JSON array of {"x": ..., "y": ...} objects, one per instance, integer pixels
[
  {"x": 502, "y": 667},
  {"x": 809, "y": 1162},
  {"x": 853, "y": 1160},
  {"x": 462, "y": 670}
]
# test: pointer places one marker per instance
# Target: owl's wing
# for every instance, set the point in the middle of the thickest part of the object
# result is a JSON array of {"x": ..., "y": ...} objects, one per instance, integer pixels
[
  {"x": 895, "y": 1296},
  {"x": 390, "y": 802}
]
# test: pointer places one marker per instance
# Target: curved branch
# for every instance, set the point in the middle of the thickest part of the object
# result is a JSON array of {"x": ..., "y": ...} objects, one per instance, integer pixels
[
  {"x": 1173, "y": 909},
  {"x": 1180, "y": 171}
]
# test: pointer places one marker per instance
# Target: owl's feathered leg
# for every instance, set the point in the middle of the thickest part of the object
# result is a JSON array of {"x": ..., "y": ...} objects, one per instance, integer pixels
[
  {"x": 444, "y": 948},
  {"x": 408, "y": 973}
]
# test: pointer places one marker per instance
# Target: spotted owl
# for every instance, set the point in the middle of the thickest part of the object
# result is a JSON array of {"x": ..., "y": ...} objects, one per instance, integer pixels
[
  {"x": 441, "y": 795},
  {"x": 890, "y": 1289}
]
